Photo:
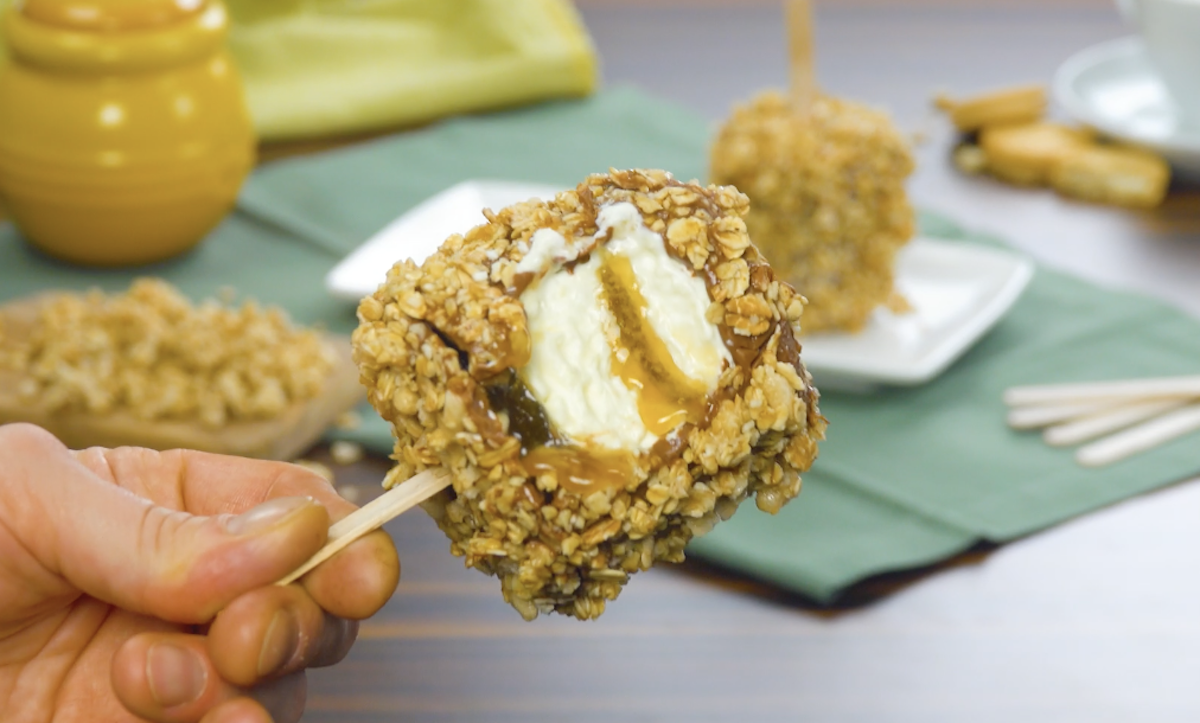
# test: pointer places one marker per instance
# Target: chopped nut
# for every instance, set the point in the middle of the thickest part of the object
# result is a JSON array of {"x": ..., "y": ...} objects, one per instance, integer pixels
[
  {"x": 345, "y": 453},
  {"x": 350, "y": 493},
  {"x": 970, "y": 159},
  {"x": 348, "y": 421},
  {"x": 317, "y": 468}
]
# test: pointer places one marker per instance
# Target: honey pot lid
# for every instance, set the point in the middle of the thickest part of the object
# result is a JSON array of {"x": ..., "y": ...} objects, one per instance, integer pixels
[{"x": 111, "y": 15}]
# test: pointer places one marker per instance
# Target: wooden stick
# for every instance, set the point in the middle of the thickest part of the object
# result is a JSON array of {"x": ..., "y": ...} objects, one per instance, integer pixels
[
  {"x": 1081, "y": 430},
  {"x": 1140, "y": 438},
  {"x": 1122, "y": 390},
  {"x": 1040, "y": 416},
  {"x": 800, "y": 47},
  {"x": 390, "y": 504}
]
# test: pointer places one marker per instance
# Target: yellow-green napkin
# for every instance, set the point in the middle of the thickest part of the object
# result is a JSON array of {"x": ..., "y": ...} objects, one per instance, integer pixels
[
  {"x": 334, "y": 67},
  {"x": 318, "y": 67},
  {"x": 907, "y": 476}
]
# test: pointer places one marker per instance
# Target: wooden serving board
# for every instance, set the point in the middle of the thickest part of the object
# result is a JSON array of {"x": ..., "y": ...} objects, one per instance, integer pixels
[{"x": 284, "y": 437}]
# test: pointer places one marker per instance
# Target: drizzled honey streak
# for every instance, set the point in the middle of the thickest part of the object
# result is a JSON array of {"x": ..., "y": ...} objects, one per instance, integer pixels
[
  {"x": 605, "y": 376},
  {"x": 666, "y": 396}
]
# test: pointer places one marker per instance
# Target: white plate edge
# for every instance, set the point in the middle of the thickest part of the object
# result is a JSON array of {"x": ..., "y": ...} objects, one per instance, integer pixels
[
  {"x": 957, "y": 343},
  {"x": 1063, "y": 88},
  {"x": 338, "y": 287}
]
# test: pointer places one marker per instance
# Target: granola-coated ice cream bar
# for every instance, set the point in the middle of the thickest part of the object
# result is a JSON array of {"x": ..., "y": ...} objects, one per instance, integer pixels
[
  {"x": 605, "y": 376},
  {"x": 828, "y": 207}
]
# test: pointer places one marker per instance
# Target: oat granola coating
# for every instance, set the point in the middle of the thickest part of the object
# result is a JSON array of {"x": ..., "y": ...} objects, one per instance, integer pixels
[
  {"x": 149, "y": 351},
  {"x": 828, "y": 206},
  {"x": 436, "y": 341}
]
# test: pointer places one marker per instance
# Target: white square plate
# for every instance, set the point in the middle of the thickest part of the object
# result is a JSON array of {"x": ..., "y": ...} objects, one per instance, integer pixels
[
  {"x": 957, "y": 290},
  {"x": 420, "y": 232}
]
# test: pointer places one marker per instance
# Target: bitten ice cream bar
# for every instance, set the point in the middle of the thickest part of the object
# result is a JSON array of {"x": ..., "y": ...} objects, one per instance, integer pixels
[{"x": 605, "y": 376}]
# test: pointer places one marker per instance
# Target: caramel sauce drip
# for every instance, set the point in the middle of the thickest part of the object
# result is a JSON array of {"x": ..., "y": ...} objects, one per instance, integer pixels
[
  {"x": 580, "y": 470},
  {"x": 521, "y": 282},
  {"x": 667, "y": 397}
]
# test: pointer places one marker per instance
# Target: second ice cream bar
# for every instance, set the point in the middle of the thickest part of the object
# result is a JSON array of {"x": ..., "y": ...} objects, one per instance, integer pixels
[{"x": 827, "y": 201}]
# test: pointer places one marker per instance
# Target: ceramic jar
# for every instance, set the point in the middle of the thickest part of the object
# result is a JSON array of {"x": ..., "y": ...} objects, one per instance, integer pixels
[{"x": 124, "y": 132}]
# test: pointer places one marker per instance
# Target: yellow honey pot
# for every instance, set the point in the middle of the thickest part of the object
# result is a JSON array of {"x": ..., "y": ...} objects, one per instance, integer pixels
[{"x": 124, "y": 132}]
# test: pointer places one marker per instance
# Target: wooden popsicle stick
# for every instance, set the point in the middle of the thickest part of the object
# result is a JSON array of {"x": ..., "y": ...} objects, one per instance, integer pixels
[
  {"x": 1140, "y": 438},
  {"x": 1081, "y": 430},
  {"x": 1125, "y": 389},
  {"x": 803, "y": 89},
  {"x": 1041, "y": 416},
  {"x": 404, "y": 496}
]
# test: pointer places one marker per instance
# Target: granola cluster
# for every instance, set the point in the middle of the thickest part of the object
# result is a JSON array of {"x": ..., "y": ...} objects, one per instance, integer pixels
[
  {"x": 437, "y": 340},
  {"x": 829, "y": 208},
  {"x": 152, "y": 353}
]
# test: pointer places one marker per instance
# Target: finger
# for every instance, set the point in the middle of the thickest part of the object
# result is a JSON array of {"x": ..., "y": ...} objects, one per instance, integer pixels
[
  {"x": 168, "y": 678},
  {"x": 209, "y": 484},
  {"x": 238, "y": 710},
  {"x": 359, "y": 580},
  {"x": 275, "y": 631},
  {"x": 355, "y": 584},
  {"x": 139, "y": 556},
  {"x": 339, "y": 637}
]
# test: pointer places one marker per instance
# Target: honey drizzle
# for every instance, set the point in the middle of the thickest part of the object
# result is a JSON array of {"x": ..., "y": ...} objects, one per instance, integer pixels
[{"x": 666, "y": 396}]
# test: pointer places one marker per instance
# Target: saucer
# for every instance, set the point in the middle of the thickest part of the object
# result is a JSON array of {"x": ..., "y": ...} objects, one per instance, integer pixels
[{"x": 1113, "y": 88}]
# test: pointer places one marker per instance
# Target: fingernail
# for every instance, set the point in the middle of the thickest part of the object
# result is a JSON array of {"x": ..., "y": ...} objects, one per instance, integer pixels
[
  {"x": 280, "y": 643},
  {"x": 176, "y": 675},
  {"x": 266, "y": 515}
]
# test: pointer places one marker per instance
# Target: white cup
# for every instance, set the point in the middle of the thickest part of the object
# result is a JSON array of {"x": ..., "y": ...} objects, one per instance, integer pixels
[{"x": 1171, "y": 31}]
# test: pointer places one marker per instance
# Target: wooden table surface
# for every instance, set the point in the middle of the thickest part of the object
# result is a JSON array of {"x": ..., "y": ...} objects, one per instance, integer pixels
[{"x": 1097, "y": 620}]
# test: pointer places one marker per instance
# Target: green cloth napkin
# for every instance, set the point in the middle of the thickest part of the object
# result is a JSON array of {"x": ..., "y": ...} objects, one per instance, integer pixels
[{"x": 907, "y": 476}]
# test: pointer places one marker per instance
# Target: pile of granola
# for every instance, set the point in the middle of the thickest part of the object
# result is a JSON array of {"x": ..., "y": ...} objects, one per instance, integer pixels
[
  {"x": 152, "y": 353},
  {"x": 437, "y": 340},
  {"x": 829, "y": 210}
]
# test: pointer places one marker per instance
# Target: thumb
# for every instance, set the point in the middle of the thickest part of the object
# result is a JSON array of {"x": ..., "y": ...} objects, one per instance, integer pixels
[{"x": 127, "y": 551}]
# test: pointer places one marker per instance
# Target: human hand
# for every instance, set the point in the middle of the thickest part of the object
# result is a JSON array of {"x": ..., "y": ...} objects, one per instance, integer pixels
[{"x": 138, "y": 585}]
